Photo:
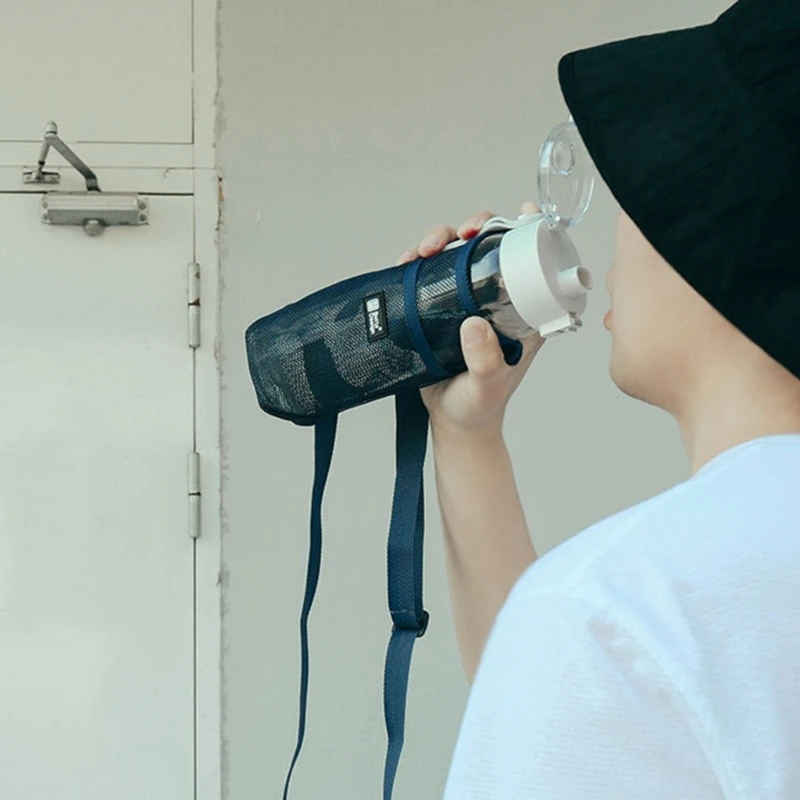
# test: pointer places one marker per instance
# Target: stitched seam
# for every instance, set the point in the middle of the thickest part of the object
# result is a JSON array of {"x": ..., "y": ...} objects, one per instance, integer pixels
[
  {"x": 667, "y": 667},
  {"x": 692, "y": 715}
]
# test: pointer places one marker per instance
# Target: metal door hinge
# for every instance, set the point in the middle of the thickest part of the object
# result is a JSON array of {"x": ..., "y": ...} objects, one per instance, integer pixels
[
  {"x": 94, "y": 209},
  {"x": 194, "y": 304},
  {"x": 194, "y": 495}
]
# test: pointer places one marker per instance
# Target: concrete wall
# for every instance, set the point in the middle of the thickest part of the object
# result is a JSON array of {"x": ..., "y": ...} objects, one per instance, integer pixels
[{"x": 346, "y": 129}]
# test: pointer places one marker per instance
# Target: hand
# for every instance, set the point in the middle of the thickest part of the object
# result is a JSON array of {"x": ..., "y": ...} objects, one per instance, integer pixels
[{"x": 474, "y": 403}]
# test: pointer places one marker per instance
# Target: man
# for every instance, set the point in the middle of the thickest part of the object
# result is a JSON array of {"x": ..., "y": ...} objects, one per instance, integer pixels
[{"x": 657, "y": 654}]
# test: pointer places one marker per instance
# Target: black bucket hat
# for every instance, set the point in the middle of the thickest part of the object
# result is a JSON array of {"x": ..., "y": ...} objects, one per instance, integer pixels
[{"x": 696, "y": 132}]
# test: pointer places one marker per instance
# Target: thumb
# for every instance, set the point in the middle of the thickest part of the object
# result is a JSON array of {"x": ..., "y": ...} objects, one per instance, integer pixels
[{"x": 481, "y": 347}]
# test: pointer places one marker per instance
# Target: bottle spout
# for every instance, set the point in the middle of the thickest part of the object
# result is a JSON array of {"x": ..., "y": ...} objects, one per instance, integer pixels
[{"x": 575, "y": 282}]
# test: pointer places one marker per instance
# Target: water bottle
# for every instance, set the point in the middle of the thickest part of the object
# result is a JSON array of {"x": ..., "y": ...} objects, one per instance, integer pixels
[
  {"x": 526, "y": 275},
  {"x": 384, "y": 332}
]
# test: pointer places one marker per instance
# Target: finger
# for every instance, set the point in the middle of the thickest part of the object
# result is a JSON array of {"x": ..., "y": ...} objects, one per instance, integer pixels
[
  {"x": 408, "y": 255},
  {"x": 436, "y": 239},
  {"x": 482, "y": 352},
  {"x": 529, "y": 207},
  {"x": 471, "y": 226},
  {"x": 531, "y": 345}
]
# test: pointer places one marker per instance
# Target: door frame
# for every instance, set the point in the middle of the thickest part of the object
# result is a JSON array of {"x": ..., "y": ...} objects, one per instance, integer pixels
[{"x": 208, "y": 556}]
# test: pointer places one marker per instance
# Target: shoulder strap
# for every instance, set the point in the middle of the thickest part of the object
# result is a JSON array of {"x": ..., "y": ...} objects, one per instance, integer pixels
[
  {"x": 404, "y": 563},
  {"x": 405, "y": 554},
  {"x": 324, "y": 440}
]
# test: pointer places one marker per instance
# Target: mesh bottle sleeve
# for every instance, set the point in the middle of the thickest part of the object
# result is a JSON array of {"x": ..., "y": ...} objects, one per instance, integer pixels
[{"x": 365, "y": 338}]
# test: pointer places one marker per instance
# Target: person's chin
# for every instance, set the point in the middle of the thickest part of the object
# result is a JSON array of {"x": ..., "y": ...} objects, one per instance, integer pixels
[
  {"x": 634, "y": 385},
  {"x": 624, "y": 386},
  {"x": 621, "y": 375}
]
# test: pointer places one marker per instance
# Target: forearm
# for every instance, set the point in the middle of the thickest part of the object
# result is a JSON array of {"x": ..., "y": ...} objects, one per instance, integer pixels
[{"x": 487, "y": 543}]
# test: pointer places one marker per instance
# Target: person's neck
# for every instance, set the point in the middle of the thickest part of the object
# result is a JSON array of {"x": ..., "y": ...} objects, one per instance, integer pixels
[{"x": 726, "y": 410}]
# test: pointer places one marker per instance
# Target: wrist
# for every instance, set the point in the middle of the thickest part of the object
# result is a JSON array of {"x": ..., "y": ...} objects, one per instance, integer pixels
[{"x": 445, "y": 433}]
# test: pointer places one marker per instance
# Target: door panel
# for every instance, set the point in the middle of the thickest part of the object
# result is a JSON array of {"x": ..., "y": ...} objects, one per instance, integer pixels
[{"x": 96, "y": 565}]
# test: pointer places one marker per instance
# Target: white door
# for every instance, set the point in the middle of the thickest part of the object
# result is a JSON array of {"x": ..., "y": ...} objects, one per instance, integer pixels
[{"x": 96, "y": 564}]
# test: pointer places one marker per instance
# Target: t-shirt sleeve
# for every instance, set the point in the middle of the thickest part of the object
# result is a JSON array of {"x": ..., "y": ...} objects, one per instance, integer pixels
[{"x": 567, "y": 705}]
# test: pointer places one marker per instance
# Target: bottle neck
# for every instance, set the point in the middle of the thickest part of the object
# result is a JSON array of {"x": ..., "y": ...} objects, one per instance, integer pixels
[{"x": 489, "y": 290}]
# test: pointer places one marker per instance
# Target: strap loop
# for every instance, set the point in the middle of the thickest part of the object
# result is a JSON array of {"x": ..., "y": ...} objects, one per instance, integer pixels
[
  {"x": 421, "y": 345},
  {"x": 420, "y": 626}
]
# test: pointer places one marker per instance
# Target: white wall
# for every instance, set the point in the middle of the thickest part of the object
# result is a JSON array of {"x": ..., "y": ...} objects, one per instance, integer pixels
[{"x": 346, "y": 129}]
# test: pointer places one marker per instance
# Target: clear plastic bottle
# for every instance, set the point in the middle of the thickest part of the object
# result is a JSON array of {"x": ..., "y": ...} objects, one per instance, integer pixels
[
  {"x": 490, "y": 292},
  {"x": 526, "y": 274},
  {"x": 524, "y": 279}
]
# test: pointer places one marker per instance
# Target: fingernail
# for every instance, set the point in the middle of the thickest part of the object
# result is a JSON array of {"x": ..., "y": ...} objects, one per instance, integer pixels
[
  {"x": 474, "y": 333},
  {"x": 469, "y": 225},
  {"x": 429, "y": 242}
]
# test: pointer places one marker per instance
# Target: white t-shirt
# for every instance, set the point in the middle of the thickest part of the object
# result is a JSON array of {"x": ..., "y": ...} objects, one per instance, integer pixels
[{"x": 656, "y": 655}]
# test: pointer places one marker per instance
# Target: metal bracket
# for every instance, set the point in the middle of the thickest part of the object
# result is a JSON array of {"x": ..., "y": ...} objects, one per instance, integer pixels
[
  {"x": 52, "y": 139},
  {"x": 93, "y": 209}
]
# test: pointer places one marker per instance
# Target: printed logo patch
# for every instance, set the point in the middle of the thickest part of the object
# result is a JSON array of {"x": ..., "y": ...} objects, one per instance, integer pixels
[{"x": 375, "y": 317}]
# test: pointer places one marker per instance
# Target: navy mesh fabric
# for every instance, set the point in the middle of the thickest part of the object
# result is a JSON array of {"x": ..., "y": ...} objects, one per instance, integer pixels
[{"x": 313, "y": 358}]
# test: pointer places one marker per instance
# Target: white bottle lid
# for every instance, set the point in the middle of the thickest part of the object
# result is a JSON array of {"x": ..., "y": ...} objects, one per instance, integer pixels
[
  {"x": 542, "y": 272},
  {"x": 544, "y": 277}
]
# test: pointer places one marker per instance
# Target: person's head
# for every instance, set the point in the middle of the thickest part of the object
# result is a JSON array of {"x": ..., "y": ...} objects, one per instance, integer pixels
[
  {"x": 670, "y": 347},
  {"x": 707, "y": 283}
]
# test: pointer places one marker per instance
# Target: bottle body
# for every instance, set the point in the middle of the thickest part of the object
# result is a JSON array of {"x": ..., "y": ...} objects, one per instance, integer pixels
[
  {"x": 490, "y": 291},
  {"x": 523, "y": 280},
  {"x": 439, "y": 300}
]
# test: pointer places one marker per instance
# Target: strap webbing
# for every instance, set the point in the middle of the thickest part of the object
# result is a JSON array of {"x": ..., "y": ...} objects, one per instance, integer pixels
[
  {"x": 404, "y": 563},
  {"x": 324, "y": 440},
  {"x": 405, "y": 555}
]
